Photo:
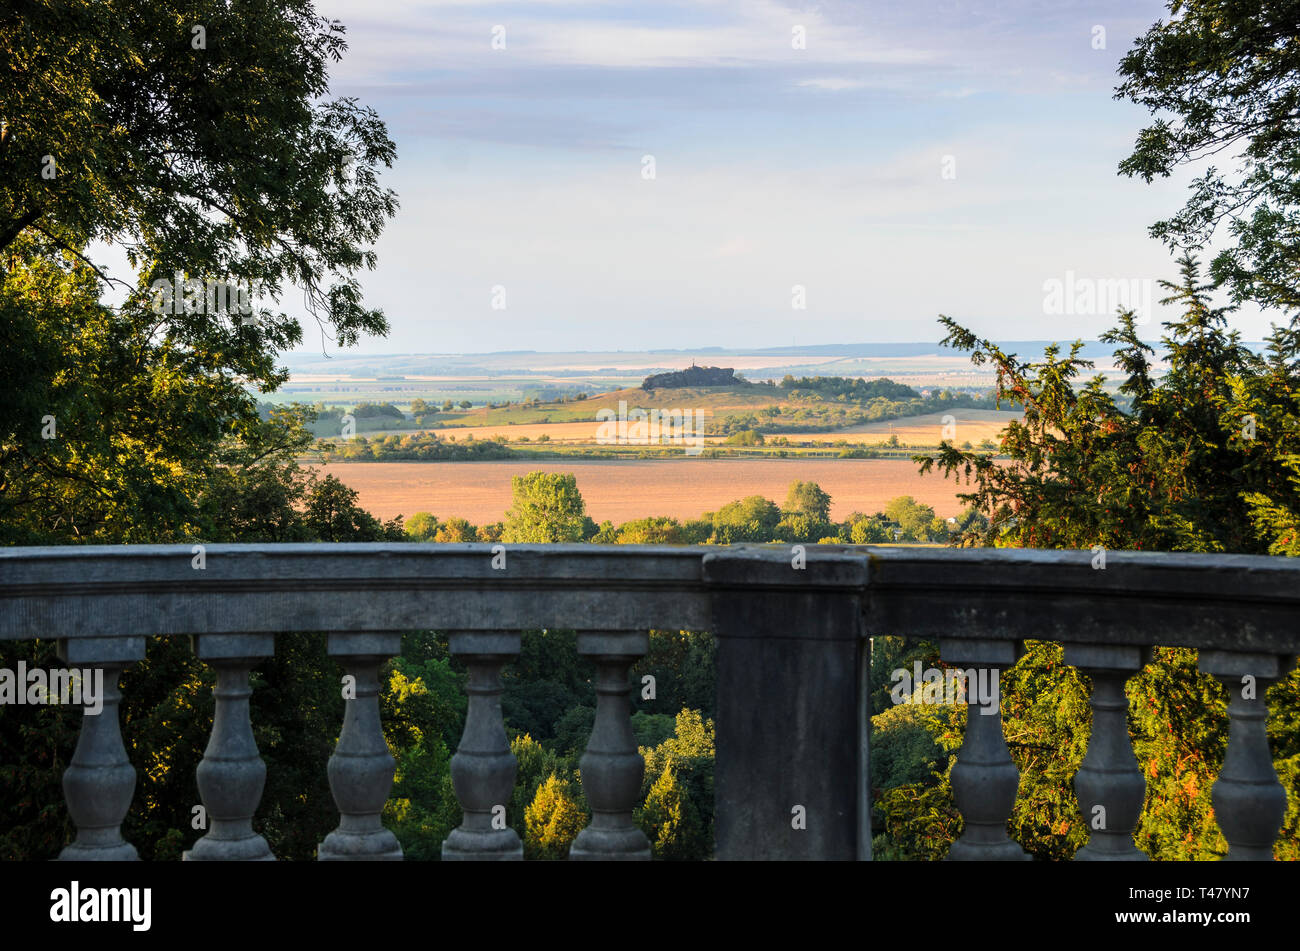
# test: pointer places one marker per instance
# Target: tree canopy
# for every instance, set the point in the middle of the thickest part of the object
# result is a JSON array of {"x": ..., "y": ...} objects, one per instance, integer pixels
[
  {"x": 1220, "y": 75},
  {"x": 165, "y": 129},
  {"x": 1205, "y": 459},
  {"x": 547, "y": 507}
]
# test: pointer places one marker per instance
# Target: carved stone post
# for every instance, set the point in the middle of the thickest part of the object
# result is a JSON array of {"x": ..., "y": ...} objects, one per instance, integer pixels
[
  {"x": 985, "y": 780},
  {"x": 232, "y": 773},
  {"x": 99, "y": 783},
  {"x": 361, "y": 768},
  {"x": 483, "y": 769},
  {"x": 1109, "y": 785},
  {"x": 1249, "y": 802},
  {"x": 792, "y": 778},
  {"x": 612, "y": 768}
]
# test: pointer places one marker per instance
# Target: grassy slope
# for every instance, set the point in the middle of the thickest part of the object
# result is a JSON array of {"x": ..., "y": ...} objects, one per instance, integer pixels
[
  {"x": 516, "y": 420},
  {"x": 718, "y": 400}
]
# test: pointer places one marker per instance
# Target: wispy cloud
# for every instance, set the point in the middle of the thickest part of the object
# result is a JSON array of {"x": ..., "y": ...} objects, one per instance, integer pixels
[
  {"x": 414, "y": 37},
  {"x": 819, "y": 163},
  {"x": 832, "y": 84}
]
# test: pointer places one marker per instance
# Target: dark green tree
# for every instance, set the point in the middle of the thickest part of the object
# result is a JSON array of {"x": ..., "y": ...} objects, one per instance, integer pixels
[
  {"x": 332, "y": 515},
  {"x": 677, "y": 791},
  {"x": 122, "y": 123},
  {"x": 1221, "y": 77}
]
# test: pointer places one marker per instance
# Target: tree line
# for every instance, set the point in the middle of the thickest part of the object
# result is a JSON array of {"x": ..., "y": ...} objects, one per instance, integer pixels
[{"x": 547, "y": 507}]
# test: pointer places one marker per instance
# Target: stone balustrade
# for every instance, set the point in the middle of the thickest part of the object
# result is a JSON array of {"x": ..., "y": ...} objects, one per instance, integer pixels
[{"x": 793, "y": 655}]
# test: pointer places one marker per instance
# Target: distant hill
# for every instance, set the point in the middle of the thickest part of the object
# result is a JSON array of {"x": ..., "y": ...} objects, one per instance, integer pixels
[
  {"x": 692, "y": 376},
  {"x": 549, "y": 362}
]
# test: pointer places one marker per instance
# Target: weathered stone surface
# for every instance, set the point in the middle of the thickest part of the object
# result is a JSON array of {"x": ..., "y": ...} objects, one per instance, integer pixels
[
  {"x": 99, "y": 783},
  {"x": 612, "y": 768},
  {"x": 984, "y": 780},
  {"x": 1109, "y": 785},
  {"x": 1239, "y": 602},
  {"x": 791, "y": 717},
  {"x": 106, "y": 591},
  {"x": 483, "y": 769},
  {"x": 361, "y": 768},
  {"x": 1249, "y": 802},
  {"x": 232, "y": 773},
  {"x": 791, "y": 701},
  {"x": 1232, "y": 602}
]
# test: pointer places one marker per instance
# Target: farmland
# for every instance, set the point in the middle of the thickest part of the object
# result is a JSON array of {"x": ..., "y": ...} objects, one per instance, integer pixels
[
  {"x": 455, "y": 458},
  {"x": 624, "y": 490},
  {"x": 971, "y": 425}
]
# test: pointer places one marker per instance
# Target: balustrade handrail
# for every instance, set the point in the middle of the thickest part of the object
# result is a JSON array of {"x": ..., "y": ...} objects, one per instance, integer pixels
[
  {"x": 787, "y": 617},
  {"x": 1231, "y": 602}
]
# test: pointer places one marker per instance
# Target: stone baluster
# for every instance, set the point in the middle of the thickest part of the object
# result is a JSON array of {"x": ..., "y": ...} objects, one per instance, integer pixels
[
  {"x": 232, "y": 773},
  {"x": 361, "y": 768},
  {"x": 1109, "y": 785},
  {"x": 1249, "y": 802},
  {"x": 483, "y": 769},
  {"x": 612, "y": 768},
  {"x": 985, "y": 780},
  {"x": 99, "y": 783}
]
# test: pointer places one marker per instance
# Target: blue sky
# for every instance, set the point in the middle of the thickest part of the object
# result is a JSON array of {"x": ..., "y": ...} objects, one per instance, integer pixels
[{"x": 521, "y": 170}]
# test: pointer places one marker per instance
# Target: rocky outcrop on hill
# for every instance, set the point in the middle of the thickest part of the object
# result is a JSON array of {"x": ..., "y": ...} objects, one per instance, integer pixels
[{"x": 692, "y": 376}]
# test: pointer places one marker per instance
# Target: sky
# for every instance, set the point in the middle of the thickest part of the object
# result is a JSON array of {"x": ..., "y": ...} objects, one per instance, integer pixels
[{"x": 604, "y": 175}]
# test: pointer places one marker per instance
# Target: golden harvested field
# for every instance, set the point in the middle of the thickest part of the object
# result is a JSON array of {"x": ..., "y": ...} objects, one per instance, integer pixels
[
  {"x": 972, "y": 425},
  {"x": 624, "y": 490}
]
